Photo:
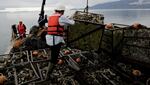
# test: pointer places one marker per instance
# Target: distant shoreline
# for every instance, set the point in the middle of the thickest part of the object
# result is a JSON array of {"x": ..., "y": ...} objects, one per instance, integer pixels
[
  {"x": 118, "y": 9},
  {"x": 112, "y": 9},
  {"x": 76, "y": 9}
]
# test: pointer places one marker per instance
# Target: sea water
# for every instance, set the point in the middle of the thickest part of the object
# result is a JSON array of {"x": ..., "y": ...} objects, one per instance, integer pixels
[{"x": 120, "y": 16}]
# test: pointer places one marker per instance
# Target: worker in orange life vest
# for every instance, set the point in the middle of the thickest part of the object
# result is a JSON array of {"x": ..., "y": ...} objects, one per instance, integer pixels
[
  {"x": 21, "y": 29},
  {"x": 54, "y": 37}
]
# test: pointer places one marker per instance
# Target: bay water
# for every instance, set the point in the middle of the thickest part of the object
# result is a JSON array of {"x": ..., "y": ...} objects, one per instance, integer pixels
[{"x": 30, "y": 18}]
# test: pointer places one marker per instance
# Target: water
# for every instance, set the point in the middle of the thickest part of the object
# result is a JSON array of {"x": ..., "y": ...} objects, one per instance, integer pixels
[
  {"x": 7, "y": 19},
  {"x": 125, "y": 16},
  {"x": 30, "y": 19}
]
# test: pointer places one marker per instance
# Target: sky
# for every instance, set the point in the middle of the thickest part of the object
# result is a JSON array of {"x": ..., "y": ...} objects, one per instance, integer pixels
[{"x": 37, "y": 3}]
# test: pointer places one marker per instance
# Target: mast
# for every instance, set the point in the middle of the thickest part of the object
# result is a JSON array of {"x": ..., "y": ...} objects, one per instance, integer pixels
[
  {"x": 87, "y": 7},
  {"x": 42, "y": 18}
]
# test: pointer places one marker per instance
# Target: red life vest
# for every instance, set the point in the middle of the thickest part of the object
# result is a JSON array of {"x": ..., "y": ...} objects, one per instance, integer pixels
[
  {"x": 21, "y": 29},
  {"x": 54, "y": 27}
]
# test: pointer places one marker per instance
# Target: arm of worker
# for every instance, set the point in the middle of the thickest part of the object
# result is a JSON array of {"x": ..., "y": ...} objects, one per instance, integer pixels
[
  {"x": 24, "y": 26},
  {"x": 65, "y": 21}
]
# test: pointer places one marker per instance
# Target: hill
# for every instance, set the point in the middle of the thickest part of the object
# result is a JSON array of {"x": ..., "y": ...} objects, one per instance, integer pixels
[{"x": 123, "y": 4}]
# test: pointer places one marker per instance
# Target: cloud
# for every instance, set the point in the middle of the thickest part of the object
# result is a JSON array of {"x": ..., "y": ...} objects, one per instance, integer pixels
[
  {"x": 33, "y": 3},
  {"x": 19, "y": 3},
  {"x": 93, "y": 2},
  {"x": 77, "y": 3}
]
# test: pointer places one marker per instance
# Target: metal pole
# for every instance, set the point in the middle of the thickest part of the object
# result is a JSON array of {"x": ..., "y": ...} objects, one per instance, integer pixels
[{"x": 87, "y": 7}]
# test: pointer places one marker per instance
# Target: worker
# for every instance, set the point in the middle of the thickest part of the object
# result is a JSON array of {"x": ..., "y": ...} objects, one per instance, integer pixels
[
  {"x": 21, "y": 29},
  {"x": 14, "y": 30},
  {"x": 54, "y": 37}
]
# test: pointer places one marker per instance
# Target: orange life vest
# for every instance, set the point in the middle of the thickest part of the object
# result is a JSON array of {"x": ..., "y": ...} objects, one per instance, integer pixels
[
  {"x": 54, "y": 27},
  {"x": 21, "y": 29}
]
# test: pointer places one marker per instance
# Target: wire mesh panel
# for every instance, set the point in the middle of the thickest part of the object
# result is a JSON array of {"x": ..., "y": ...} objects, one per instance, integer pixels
[
  {"x": 136, "y": 45},
  {"x": 111, "y": 40},
  {"x": 15, "y": 59},
  {"x": 25, "y": 74},
  {"x": 20, "y": 57},
  {"x": 89, "y": 17},
  {"x": 5, "y": 60},
  {"x": 85, "y": 36},
  {"x": 40, "y": 59},
  {"x": 40, "y": 54}
]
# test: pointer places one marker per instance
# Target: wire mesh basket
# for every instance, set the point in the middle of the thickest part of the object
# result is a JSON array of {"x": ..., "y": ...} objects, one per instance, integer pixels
[{"x": 136, "y": 45}]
